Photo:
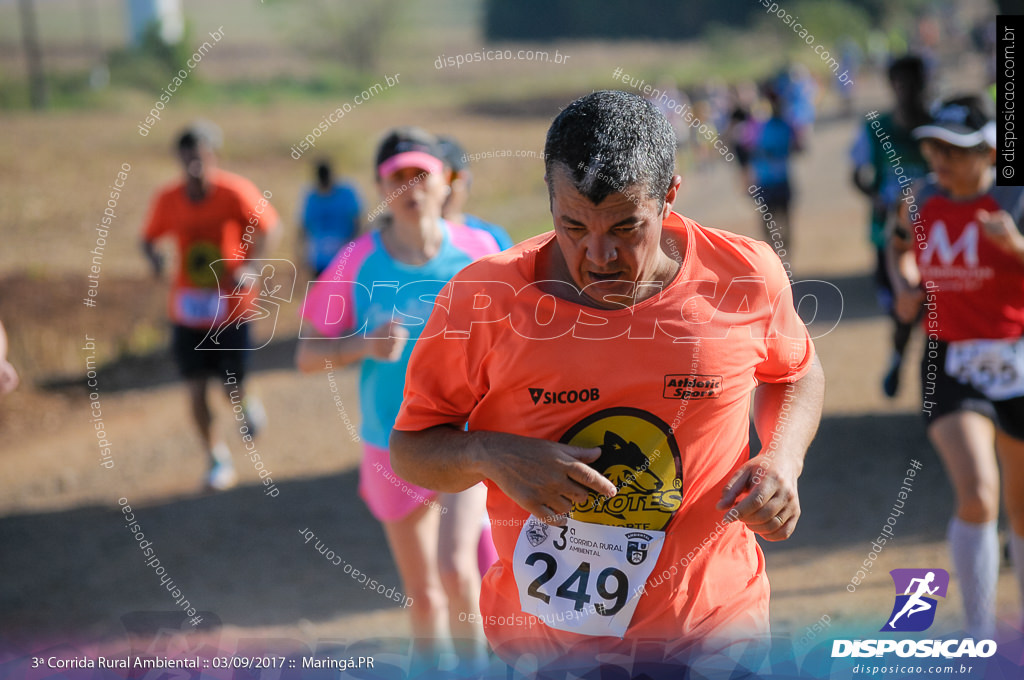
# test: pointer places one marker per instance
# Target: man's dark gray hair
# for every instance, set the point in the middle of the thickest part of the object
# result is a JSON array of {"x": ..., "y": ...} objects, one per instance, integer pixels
[{"x": 611, "y": 141}]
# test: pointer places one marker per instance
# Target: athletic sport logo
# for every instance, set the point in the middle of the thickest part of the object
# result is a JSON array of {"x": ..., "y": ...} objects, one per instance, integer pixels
[
  {"x": 914, "y": 610},
  {"x": 692, "y": 387},
  {"x": 636, "y": 549}
]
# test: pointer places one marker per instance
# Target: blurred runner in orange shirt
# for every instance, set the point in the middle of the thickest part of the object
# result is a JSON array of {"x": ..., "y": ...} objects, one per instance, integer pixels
[{"x": 219, "y": 222}]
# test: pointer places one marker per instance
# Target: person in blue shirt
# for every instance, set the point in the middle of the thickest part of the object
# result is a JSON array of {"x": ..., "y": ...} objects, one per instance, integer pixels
[
  {"x": 798, "y": 91},
  {"x": 330, "y": 218},
  {"x": 774, "y": 143},
  {"x": 460, "y": 178}
]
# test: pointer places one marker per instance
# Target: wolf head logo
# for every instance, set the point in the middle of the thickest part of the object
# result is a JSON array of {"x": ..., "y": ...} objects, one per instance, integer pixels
[
  {"x": 640, "y": 456},
  {"x": 625, "y": 465}
]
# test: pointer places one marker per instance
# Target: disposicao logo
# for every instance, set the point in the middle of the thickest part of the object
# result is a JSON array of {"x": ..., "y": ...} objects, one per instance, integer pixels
[{"x": 912, "y": 612}]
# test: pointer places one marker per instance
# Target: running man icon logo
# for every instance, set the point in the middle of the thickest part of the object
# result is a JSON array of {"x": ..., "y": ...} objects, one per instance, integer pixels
[
  {"x": 259, "y": 289},
  {"x": 914, "y": 610}
]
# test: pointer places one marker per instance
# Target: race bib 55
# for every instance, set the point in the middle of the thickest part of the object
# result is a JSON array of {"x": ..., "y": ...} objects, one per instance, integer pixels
[{"x": 994, "y": 367}]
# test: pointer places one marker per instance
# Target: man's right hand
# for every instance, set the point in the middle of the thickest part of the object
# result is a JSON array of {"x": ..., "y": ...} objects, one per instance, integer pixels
[{"x": 543, "y": 477}]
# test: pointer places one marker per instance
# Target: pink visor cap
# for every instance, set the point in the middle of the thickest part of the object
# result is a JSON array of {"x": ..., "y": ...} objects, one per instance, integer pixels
[{"x": 411, "y": 159}]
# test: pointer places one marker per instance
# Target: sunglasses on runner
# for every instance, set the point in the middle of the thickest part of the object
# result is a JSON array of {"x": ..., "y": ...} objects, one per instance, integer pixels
[{"x": 936, "y": 148}]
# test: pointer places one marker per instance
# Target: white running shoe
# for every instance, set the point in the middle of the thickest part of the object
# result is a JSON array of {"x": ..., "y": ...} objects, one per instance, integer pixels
[
  {"x": 221, "y": 477},
  {"x": 254, "y": 413},
  {"x": 222, "y": 473}
]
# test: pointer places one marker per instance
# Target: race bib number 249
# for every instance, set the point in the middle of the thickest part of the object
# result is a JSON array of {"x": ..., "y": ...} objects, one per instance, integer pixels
[{"x": 584, "y": 578}]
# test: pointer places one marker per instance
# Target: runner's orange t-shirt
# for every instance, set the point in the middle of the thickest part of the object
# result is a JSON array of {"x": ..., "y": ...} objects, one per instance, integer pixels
[
  {"x": 664, "y": 388},
  {"x": 219, "y": 227}
]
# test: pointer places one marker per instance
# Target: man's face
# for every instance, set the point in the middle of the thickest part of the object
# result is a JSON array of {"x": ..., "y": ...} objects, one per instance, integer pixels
[
  {"x": 197, "y": 161},
  {"x": 908, "y": 90},
  {"x": 608, "y": 247}
]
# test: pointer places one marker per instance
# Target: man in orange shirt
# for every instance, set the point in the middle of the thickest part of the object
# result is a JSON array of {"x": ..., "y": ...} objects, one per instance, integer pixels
[
  {"x": 606, "y": 370},
  {"x": 219, "y": 222}
]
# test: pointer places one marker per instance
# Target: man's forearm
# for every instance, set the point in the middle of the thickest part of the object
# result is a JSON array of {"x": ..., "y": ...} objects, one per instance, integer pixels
[
  {"x": 155, "y": 262},
  {"x": 543, "y": 477},
  {"x": 442, "y": 458},
  {"x": 901, "y": 266},
  {"x": 786, "y": 416}
]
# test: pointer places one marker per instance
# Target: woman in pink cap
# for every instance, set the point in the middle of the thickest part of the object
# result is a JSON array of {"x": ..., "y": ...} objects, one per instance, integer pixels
[{"x": 368, "y": 307}]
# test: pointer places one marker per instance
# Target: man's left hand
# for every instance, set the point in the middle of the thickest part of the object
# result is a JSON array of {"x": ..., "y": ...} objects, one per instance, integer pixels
[{"x": 771, "y": 506}]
